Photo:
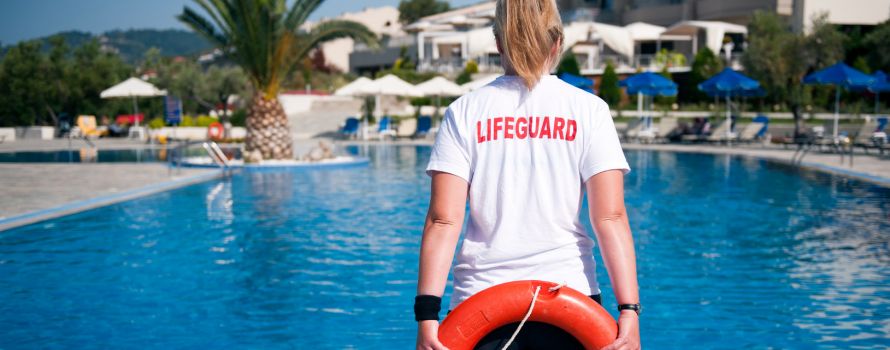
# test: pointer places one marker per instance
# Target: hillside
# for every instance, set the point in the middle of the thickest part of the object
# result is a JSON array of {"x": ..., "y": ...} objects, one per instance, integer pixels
[{"x": 133, "y": 43}]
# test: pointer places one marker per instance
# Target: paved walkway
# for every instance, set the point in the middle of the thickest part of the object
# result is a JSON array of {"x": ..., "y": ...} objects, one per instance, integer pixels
[{"x": 33, "y": 192}]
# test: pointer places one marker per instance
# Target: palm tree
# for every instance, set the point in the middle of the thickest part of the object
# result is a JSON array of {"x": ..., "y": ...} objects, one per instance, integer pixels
[{"x": 264, "y": 38}]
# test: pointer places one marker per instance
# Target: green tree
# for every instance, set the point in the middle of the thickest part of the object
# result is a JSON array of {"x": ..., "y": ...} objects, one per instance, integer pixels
[
  {"x": 779, "y": 58},
  {"x": 220, "y": 82},
  {"x": 704, "y": 65},
  {"x": 264, "y": 38},
  {"x": 36, "y": 87},
  {"x": 878, "y": 42},
  {"x": 96, "y": 70},
  {"x": 569, "y": 64},
  {"x": 24, "y": 85},
  {"x": 412, "y": 10},
  {"x": 609, "y": 90}
]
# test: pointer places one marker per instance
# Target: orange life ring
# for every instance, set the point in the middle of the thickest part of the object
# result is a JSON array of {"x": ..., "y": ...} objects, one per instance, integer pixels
[
  {"x": 215, "y": 131},
  {"x": 507, "y": 303}
]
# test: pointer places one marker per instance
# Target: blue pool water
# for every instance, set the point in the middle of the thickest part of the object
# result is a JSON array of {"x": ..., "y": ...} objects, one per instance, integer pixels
[{"x": 733, "y": 253}]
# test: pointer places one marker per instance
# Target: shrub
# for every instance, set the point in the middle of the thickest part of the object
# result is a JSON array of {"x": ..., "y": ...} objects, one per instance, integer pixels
[
  {"x": 569, "y": 64},
  {"x": 239, "y": 117},
  {"x": 156, "y": 123},
  {"x": 187, "y": 121},
  {"x": 205, "y": 120},
  {"x": 609, "y": 90}
]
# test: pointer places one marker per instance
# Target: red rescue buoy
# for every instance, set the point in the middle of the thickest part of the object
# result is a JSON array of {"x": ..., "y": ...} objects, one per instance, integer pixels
[
  {"x": 507, "y": 303},
  {"x": 215, "y": 131}
]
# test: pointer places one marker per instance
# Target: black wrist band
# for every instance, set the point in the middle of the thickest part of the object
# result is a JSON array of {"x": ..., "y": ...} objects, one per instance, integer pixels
[
  {"x": 426, "y": 307},
  {"x": 633, "y": 307}
]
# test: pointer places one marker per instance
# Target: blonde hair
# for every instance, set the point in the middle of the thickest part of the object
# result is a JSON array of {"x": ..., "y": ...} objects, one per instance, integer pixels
[{"x": 527, "y": 31}]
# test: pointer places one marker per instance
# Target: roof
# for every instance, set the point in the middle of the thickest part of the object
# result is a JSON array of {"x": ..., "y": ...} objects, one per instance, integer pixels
[
  {"x": 714, "y": 31},
  {"x": 640, "y": 31}
]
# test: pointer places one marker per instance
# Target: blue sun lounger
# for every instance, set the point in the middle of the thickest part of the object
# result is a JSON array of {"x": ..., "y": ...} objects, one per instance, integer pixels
[
  {"x": 424, "y": 124},
  {"x": 350, "y": 128}
]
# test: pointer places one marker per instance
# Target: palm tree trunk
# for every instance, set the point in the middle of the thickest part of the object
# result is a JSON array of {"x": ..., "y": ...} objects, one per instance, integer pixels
[{"x": 267, "y": 129}]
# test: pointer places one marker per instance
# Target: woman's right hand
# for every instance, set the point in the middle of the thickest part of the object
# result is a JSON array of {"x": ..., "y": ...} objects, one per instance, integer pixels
[{"x": 428, "y": 336}]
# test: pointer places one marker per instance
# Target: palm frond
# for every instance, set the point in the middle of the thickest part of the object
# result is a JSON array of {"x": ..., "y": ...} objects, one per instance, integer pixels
[
  {"x": 300, "y": 12},
  {"x": 203, "y": 27},
  {"x": 263, "y": 36}
]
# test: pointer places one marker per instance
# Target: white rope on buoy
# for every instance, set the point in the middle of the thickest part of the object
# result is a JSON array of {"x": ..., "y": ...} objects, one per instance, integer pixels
[
  {"x": 556, "y": 287},
  {"x": 527, "y": 315}
]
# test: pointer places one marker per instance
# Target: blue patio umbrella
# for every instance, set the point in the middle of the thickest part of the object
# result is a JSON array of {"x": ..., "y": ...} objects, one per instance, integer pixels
[
  {"x": 729, "y": 83},
  {"x": 649, "y": 84},
  {"x": 578, "y": 82},
  {"x": 841, "y": 76},
  {"x": 878, "y": 86}
]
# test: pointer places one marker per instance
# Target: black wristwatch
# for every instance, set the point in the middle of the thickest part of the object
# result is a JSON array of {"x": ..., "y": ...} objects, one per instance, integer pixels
[{"x": 635, "y": 307}]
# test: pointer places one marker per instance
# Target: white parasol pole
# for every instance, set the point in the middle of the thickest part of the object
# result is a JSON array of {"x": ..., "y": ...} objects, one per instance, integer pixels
[
  {"x": 837, "y": 110},
  {"x": 135, "y": 112},
  {"x": 728, "y": 119}
]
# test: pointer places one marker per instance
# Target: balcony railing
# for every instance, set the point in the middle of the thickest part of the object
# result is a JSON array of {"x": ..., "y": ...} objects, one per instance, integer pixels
[{"x": 457, "y": 64}]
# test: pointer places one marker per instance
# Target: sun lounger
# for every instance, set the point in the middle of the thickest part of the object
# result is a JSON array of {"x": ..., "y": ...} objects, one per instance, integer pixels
[
  {"x": 869, "y": 136},
  {"x": 407, "y": 128},
  {"x": 350, "y": 128},
  {"x": 719, "y": 133},
  {"x": 384, "y": 128},
  {"x": 751, "y": 132},
  {"x": 87, "y": 126},
  {"x": 634, "y": 127},
  {"x": 424, "y": 124},
  {"x": 666, "y": 126}
]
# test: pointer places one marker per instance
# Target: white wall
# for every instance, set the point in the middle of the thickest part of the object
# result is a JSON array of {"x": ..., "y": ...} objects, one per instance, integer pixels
[
  {"x": 194, "y": 133},
  {"x": 35, "y": 133},
  {"x": 861, "y": 12},
  {"x": 7, "y": 134}
]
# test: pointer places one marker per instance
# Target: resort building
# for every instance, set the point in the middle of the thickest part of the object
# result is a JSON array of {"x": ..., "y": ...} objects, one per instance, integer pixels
[
  {"x": 632, "y": 34},
  {"x": 383, "y": 21}
]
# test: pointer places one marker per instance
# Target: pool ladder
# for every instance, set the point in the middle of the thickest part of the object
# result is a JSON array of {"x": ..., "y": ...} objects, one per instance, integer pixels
[{"x": 216, "y": 154}]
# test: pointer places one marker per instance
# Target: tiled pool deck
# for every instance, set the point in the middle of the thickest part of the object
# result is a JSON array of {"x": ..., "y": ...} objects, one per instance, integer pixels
[{"x": 34, "y": 192}]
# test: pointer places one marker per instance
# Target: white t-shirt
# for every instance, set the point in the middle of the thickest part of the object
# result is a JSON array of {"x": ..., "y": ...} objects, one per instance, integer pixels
[{"x": 526, "y": 156}]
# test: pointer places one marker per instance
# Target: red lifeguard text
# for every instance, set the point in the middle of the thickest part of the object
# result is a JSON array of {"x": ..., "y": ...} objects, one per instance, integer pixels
[{"x": 502, "y": 128}]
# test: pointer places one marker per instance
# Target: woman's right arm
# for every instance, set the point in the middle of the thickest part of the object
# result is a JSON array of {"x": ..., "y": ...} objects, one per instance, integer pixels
[{"x": 448, "y": 201}]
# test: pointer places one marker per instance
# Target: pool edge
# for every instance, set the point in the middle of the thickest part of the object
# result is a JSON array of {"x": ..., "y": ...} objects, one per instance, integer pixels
[{"x": 104, "y": 200}]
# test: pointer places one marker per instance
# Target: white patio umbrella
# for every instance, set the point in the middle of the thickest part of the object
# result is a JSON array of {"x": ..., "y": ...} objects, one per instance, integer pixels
[
  {"x": 438, "y": 87},
  {"x": 349, "y": 89},
  {"x": 133, "y": 88},
  {"x": 478, "y": 83},
  {"x": 389, "y": 85}
]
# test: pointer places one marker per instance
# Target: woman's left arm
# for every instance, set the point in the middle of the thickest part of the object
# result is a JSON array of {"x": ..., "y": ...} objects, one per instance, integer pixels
[{"x": 608, "y": 215}]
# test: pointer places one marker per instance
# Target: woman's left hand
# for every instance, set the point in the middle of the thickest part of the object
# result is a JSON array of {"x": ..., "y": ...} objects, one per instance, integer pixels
[{"x": 628, "y": 332}]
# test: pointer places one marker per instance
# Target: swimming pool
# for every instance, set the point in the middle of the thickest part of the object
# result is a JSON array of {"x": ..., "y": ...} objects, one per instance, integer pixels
[{"x": 734, "y": 253}]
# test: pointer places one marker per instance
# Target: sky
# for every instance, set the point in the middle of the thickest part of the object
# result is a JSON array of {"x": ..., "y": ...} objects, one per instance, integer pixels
[{"x": 29, "y": 19}]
